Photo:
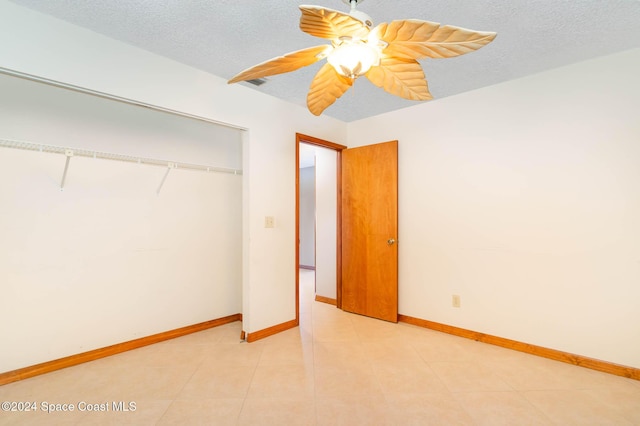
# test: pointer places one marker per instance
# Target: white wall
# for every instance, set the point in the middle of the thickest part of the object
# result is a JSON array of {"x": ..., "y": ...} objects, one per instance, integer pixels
[
  {"x": 326, "y": 221},
  {"x": 523, "y": 198},
  {"x": 308, "y": 216},
  {"x": 33, "y": 111},
  {"x": 109, "y": 259},
  {"x": 37, "y": 44}
]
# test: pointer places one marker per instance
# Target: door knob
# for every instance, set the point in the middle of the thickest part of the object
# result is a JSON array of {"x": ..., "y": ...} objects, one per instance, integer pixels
[{"x": 391, "y": 241}]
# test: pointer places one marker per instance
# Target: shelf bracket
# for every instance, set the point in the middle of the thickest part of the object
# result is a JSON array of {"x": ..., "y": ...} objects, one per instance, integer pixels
[
  {"x": 69, "y": 154},
  {"x": 169, "y": 167}
]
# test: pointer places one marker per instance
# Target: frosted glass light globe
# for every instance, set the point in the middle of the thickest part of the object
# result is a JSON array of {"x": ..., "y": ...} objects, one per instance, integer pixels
[{"x": 353, "y": 58}]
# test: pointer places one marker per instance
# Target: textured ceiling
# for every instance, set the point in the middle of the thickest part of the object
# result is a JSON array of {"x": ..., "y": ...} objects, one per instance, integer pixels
[{"x": 224, "y": 37}]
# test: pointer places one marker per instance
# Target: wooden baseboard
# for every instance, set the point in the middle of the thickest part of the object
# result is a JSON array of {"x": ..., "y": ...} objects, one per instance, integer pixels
[
  {"x": 328, "y": 300},
  {"x": 311, "y": 268},
  {"x": 582, "y": 361},
  {"x": 261, "y": 334},
  {"x": 69, "y": 361}
]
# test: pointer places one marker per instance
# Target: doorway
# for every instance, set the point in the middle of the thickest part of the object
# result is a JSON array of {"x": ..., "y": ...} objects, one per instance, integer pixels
[
  {"x": 365, "y": 277},
  {"x": 317, "y": 219}
]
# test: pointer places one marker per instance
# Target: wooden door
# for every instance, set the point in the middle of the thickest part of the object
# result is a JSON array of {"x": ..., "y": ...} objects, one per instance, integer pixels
[{"x": 370, "y": 230}]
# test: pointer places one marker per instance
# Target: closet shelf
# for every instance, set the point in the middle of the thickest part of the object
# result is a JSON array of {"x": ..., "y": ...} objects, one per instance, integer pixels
[{"x": 32, "y": 146}]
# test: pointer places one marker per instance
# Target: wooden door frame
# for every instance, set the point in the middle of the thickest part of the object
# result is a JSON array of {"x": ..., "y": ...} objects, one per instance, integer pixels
[{"x": 310, "y": 140}]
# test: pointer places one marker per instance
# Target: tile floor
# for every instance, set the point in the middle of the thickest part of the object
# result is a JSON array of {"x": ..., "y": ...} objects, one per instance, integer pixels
[{"x": 335, "y": 369}]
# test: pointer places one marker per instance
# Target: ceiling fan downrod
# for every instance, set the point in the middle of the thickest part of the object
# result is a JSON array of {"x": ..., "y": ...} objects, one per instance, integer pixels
[
  {"x": 361, "y": 16},
  {"x": 352, "y": 3}
]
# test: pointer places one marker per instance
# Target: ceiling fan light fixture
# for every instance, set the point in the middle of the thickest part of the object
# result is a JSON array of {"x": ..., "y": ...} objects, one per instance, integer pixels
[
  {"x": 354, "y": 57},
  {"x": 386, "y": 55}
]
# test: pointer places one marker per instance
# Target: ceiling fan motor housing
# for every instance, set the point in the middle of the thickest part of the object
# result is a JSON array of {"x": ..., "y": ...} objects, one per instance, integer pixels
[
  {"x": 360, "y": 16},
  {"x": 363, "y": 17}
]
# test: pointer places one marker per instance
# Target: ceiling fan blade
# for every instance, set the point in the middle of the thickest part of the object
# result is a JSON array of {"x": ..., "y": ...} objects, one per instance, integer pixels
[
  {"x": 416, "y": 39},
  {"x": 330, "y": 24},
  {"x": 289, "y": 62},
  {"x": 327, "y": 86},
  {"x": 401, "y": 77}
]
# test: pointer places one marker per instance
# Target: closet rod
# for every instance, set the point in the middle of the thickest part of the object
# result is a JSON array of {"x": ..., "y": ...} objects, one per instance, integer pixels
[
  {"x": 31, "y": 146},
  {"x": 116, "y": 98}
]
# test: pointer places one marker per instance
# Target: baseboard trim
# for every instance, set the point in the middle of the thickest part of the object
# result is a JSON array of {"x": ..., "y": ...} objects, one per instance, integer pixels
[
  {"x": 582, "y": 361},
  {"x": 261, "y": 334},
  {"x": 69, "y": 361},
  {"x": 328, "y": 300},
  {"x": 311, "y": 268}
]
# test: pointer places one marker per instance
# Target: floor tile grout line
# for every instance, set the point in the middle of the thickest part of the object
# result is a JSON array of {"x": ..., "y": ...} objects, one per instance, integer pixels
[
  {"x": 530, "y": 404},
  {"x": 313, "y": 356},
  {"x": 246, "y": 395},
  {"x": 173, "y": 400},
  {"x": 544, "y": 414}
]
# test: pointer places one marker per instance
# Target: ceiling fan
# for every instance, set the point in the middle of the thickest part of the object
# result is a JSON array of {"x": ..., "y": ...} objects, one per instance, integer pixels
[{"x": 387, "y": 54}]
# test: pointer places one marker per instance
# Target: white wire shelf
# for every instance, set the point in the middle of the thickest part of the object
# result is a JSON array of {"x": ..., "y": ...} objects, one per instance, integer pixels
[{"x": 32, "y": 146}]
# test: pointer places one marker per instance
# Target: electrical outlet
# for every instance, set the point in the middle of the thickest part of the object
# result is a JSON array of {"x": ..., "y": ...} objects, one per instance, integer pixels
[
  {"x": 269, "y": 222},
  {"x": 455, "y": 301}
]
